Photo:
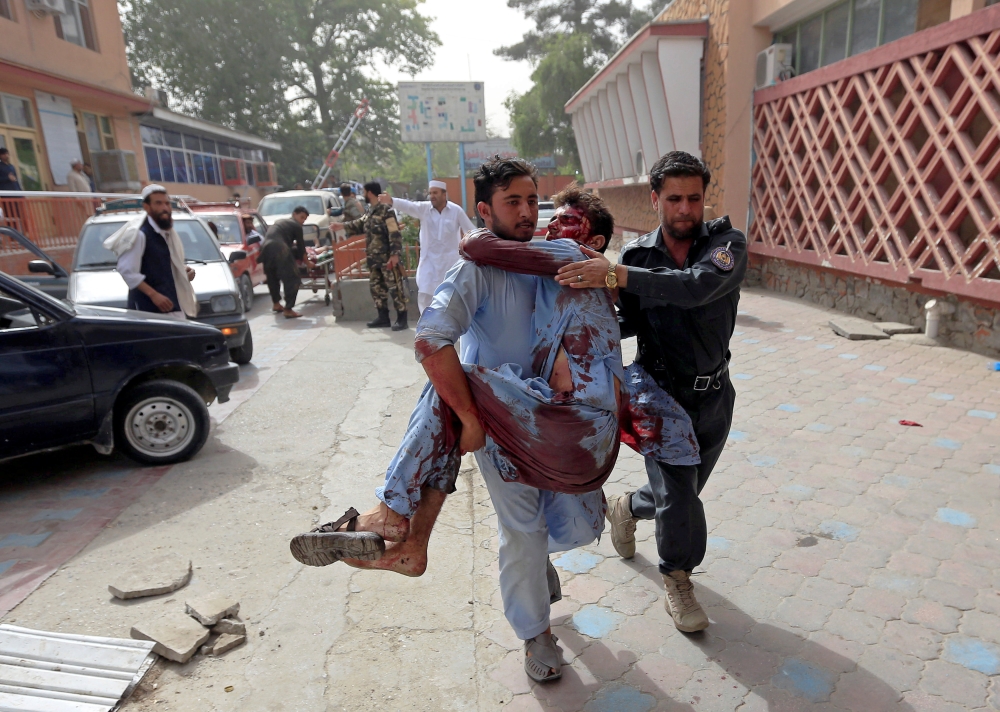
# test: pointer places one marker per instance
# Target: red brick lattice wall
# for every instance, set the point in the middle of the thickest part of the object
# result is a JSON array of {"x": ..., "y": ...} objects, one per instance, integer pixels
[{"x": 887, "y": 165}]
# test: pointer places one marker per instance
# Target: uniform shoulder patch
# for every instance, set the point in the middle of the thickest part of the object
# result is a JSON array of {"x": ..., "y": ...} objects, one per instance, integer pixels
[
  {"x": 390, "y": 222},
  {"x": 723, "y": 259}
]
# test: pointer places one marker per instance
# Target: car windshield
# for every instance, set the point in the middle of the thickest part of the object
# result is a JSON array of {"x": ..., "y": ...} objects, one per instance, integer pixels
[
  {"x": 199, "y": 245},
  {"x": 47, "y": 298},
  {"x": 228, "y": 227},
  {"x": 284, "y": 205}
]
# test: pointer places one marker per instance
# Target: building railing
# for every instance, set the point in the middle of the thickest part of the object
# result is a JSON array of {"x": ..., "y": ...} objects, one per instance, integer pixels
[
  {"x": 887, "y": 165},
  {"x": 349, "y": 260},
  {"x": 50, "y": 220}
]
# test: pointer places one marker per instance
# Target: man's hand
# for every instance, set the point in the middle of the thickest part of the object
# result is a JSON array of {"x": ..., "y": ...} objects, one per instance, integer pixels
[
  {"x": 190, "y": 274},
  {"x": 393, "y": 261},
  {"x": 162, "y": 303},
  {"x": 385, "y": 198},
  {"x": 581, "y": 275},
  {"x": 336, "y": 225},
  {"x": 473, "y": 436}
]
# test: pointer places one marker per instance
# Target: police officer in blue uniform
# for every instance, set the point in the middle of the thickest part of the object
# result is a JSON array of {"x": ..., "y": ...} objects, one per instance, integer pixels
[{"x": 679, "y": 288}]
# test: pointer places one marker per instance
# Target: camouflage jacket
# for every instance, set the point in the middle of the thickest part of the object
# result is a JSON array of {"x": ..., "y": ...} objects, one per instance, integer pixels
[{"x": 381, "y": 230}]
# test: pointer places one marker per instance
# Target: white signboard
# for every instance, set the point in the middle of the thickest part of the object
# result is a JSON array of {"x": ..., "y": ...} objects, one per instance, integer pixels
[
  {"x": 442, "y": 111},
  {"x": 62, "y": 144}
]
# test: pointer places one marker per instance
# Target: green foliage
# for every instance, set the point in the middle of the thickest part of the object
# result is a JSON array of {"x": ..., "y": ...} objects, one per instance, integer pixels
[
  {"x": 572, "y": 39},
  {"x": 290, "y": 70}
]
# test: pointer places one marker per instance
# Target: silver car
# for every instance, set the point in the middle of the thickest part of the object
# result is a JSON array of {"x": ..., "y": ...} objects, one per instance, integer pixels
[{"x": 95, "y": 280}]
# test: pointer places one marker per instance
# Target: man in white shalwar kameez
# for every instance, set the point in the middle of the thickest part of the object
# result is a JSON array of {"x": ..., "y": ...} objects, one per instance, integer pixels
[{"x": 442, "y": 226}]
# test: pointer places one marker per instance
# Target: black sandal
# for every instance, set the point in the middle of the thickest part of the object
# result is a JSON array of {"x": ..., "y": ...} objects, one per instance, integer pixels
[{"x": 324, "y": 545}]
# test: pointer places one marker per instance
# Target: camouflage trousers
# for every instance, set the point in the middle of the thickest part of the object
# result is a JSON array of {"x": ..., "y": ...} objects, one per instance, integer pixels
[{"x": 385, "y": 283}]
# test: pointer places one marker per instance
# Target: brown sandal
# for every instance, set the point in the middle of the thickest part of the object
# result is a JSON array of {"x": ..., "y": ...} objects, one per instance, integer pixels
[{"x": 325, "y": 545}]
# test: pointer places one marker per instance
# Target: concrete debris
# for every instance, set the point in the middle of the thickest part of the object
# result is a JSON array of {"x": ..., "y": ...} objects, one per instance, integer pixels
[
  {"x": 231, "y": 626},
  {"x": 210, "y": 608},
  {"x": 894, "y": 327},
  {"x": 223, "y": 644},
  {"x": 856, "y": 329},
  {"x": 176, "y": 635},
  {"x": 153, "y": 577}
]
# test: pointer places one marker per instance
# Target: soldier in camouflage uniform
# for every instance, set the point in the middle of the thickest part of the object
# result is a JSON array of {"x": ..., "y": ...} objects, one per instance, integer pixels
[{"x": 384, "y": 249}]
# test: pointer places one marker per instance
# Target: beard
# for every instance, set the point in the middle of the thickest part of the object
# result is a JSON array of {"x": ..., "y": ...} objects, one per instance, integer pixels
[
  {"x": 511, "y": 232},
  {"x": 165, "y": 221}
]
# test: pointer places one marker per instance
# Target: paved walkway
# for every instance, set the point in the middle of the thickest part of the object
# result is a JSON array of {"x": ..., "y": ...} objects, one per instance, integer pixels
[
  {"x": 852, "y": 566},
  {"x": 53, "y": 505},
  {"x": 852, "y": 561}
]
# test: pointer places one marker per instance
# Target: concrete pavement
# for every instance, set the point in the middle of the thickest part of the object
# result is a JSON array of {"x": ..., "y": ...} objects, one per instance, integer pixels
[{"x": 852, "y": 560}]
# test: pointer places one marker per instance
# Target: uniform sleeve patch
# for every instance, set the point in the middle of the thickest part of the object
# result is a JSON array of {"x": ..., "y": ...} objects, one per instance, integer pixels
[
  {"x": 723, "y": 259},
  {"x": 390, "y": 222}
]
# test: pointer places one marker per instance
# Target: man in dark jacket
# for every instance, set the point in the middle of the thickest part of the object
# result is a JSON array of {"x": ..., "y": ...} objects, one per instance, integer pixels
[
  {"x": 679, "y": 288},
  {"x": 284, "y": 245}
]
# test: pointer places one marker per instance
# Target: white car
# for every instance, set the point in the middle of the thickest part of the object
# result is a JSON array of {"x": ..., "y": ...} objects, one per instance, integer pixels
[
  {"x": 94, "y": 280},
  {"x": 319, "y": 203}
]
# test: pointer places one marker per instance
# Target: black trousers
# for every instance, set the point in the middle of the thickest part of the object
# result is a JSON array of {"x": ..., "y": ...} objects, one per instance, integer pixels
[
  {"x": 283, "y": 273},
  {"x": 671, "y": 496}
]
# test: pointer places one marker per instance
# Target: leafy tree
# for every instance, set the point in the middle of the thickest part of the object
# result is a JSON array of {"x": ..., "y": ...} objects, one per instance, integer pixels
[{"x": 291, "y": 70}]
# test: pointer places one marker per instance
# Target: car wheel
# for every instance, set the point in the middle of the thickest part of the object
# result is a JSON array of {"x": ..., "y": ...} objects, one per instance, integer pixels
[
  {"x": 161, "y": 422},
  {"x": 244, "y": 353},
  {"x": 246, "y": 292}
]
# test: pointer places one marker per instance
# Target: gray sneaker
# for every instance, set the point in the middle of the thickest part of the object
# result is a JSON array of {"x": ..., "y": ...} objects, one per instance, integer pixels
[
  {"x": 688, "y": 615},
  {"x": 622, "y": 525}
]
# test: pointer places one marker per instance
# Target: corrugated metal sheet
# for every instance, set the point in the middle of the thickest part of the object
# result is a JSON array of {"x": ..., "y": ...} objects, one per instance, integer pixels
[{"x": 62, "y": 672}]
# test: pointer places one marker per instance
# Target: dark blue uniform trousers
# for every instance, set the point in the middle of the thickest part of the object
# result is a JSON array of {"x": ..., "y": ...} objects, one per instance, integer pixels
[{"x": 671, "y": 497}]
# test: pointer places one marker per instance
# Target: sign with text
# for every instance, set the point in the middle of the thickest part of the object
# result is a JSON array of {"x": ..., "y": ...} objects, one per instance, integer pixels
[{"x": 442, "y": 111}]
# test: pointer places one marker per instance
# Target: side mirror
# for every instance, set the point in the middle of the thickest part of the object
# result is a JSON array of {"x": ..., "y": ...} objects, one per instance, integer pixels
[
  {"x": 236, "y": 256},
  {"x": 336, "y": 212},
  {"x": 253, "y": 240},
  {"x": 41, "y": 267}
]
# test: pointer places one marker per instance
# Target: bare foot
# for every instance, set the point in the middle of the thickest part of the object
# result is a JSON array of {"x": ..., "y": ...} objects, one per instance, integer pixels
[
  {"x": 407, "y": 558},
  {"x": 291, "y": 314},
  {"x": 382, "y": 520},
  {"x": 277, "y": 307}
]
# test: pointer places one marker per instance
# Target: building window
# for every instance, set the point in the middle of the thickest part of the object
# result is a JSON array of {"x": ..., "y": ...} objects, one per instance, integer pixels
[
  {"x": 15, "y": 111},
  {"x": 5, "y": 9},
  {"x": 76, "y": 25},
  {"x": 177, "y": 157},
  {"x": 851, "y": 27}
]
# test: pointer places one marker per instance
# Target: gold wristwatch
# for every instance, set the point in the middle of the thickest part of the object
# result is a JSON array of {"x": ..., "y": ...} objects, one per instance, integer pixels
[{"x": 611, "y": 280}]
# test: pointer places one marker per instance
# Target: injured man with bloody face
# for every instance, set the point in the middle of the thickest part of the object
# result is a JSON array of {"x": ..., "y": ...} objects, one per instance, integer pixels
[{"x": 546, "y": 417}]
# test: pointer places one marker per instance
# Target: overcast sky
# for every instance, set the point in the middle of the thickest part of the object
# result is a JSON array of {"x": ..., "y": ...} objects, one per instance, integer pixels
[{"x": 469, "y": 32}]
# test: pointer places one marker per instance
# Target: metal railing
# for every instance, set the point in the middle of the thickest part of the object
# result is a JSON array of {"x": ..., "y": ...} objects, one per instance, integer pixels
[
  {"x": 886, "y": 165},
  {"x": 349, "y": 260},
  {"x": 50, "y": 220}
]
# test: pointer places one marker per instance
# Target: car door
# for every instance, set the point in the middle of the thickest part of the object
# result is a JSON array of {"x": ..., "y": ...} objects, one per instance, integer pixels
[
  {"x": 46, "y": 395},
  {"x": 43, "y": 271}
]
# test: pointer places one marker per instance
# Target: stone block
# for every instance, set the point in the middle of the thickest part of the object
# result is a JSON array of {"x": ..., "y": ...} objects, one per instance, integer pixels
[
  {"x": 856, "y": 329},
  {"x": 918, "y": 339},
  {"x": 210, "y": 608},
  {"x": 153, "y": 577},
  {"x": 223, "y": 644},
  {"x": 231, "y": 626},
  {"x": 894, "y": 327},
  {"x": 176, "y": 635}
]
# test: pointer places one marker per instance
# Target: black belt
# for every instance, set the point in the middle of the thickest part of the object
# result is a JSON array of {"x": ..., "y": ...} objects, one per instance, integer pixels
[
  {"x": 703, "y": 383},
  {"x": 689, "y": 384}
]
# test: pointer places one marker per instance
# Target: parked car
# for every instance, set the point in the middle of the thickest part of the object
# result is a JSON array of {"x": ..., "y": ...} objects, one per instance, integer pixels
[
  {"x": 321, "y": 204},
  {"x": 95, "y": 281},
  {"x": 43, "y": 272},
  {"x": 545, "y": 212},
  {"x": 228, "y": 221},
  {"x": 109, "y": 377}
]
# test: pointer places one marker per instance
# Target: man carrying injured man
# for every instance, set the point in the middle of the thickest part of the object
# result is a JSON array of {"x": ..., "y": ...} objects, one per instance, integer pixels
[{"x": 537, "y": 399}]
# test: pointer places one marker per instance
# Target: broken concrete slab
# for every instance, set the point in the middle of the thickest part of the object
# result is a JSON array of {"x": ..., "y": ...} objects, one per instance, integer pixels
[
  {"x": 224, "y": 644},
  {"x": 153, "y": 577},
  {"x": 230, "y": 626},
  {"x": 208, "y": 609},
  {"x": 176, "y": 635},
  {"x": 856, "y": 329},
  {"x": 894, "y": 327}
]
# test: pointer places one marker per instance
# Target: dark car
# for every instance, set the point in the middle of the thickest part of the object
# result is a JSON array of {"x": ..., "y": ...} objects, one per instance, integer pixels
[
  {"x": 43, "y": 271},
  {"x": 104, "y": 376}
]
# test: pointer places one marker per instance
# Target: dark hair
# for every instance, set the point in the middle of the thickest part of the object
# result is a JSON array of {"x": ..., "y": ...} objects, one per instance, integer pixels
[
  {"x": 300, "y": 209},
  {"x": 345, "y": 189},
  {"x": 678, "y": 163},
  {"x": 601, "y": 220},
  {"x": 3, "y": 149},
  {"x": 373, "y": 187},
  {"x": 497, "y": 174}
]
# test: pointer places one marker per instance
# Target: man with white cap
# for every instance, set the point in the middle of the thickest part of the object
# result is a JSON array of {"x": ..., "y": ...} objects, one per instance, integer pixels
[
  {"x": 151, "y": 260},
  {"x": 76, "y": 179},
  {"x": 442, "y": 225}
]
